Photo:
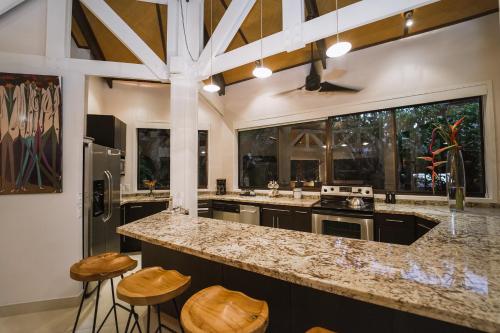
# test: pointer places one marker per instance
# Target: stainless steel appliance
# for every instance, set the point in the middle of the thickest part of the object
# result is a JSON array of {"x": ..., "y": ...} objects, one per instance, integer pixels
[
  {"x": 101, "y": 199},
  {"x": 344, "y": 211},
  {"x": 234, "y": 212},
  {"x": 250, "y": 214}
]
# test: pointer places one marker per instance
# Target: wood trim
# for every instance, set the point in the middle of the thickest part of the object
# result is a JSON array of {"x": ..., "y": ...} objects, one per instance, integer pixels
[{"x": 162, "y": 33}]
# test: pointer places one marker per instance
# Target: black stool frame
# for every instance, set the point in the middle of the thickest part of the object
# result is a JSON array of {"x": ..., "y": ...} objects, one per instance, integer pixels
[{"x": 160, "y": 325}]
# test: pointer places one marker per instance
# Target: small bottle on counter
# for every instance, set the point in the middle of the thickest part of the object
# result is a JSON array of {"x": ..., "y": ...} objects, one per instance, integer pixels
[
  {"x": 387, "y": 197},
  {"x": 393, "y": 197}
]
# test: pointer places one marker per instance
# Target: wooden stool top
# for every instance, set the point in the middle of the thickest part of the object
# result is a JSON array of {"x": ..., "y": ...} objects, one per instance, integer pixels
[
  {"x": 218, "y": 310},
  {"x": 151, "y": 286},
  {"x": 101, "y": 267},
  {"x": 319, "y": 330}
]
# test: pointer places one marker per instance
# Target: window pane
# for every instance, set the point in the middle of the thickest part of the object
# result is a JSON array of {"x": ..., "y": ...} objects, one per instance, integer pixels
[
  {"x": 362, "y": 149},
  {"x": 153, "y": 157},
  {"x": 258, "y": 157},
  {"x": 302, "y": 154},
  {"x": 202, "y": 159},
  {"x": 414, "y": 130}
]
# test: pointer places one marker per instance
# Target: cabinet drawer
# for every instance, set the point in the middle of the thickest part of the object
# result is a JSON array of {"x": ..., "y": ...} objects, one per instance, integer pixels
[
  {"x": 136, "y": 211},
  {"x": 396, "y": 229}
]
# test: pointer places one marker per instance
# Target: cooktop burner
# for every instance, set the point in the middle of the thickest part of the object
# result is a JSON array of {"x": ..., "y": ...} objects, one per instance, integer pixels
[{"x": 337, "y": 198}]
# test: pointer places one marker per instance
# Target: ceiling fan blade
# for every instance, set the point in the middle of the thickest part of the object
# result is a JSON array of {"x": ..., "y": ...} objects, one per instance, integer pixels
[
  {"x": 332, "y": 75},
  {"x": 286, "y": 92},
  {"x": 330, "y": 87}
]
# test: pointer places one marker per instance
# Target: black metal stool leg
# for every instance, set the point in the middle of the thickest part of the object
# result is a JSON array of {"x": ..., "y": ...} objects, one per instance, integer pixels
[
  {"x": 159, "y": 320},
  {"x": 178, "y": 314},
  {"x": 86, "y": 284},
  {"x": 149, "y": 319},
  {"x": 129, "y": 317},
  {"x": 114, "y": 305},
  {"x": 96, "y": 306}
]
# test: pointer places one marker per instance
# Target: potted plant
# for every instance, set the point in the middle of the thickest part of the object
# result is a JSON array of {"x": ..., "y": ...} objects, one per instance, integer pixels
[{"x": 455, "y": 171}]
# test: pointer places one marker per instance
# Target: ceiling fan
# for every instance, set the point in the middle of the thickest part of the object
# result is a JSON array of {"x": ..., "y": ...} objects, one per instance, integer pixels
[{"x": 315, "y": 84}]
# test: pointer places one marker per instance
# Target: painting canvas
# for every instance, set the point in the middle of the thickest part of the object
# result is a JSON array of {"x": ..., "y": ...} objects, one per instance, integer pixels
[{"x": 30, "y": 134}]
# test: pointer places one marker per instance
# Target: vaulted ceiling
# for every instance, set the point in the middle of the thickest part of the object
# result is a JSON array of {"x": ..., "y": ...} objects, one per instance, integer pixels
[{"x": 149, "y": 21}]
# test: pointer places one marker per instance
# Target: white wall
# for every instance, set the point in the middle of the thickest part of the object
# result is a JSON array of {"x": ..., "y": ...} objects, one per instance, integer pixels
[
  {"x": 22, "y": 29},
  {"x": 40, "y": 235},
  {"x": 148, "y": 105},
  {"x": 396, "y": 72}
]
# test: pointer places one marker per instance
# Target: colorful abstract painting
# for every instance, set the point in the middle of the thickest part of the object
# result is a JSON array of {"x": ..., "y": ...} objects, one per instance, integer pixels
[{"x": 30, "y": 134}]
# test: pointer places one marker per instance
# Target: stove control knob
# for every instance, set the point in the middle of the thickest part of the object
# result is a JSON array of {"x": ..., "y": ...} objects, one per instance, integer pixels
[
  {"x": 367, "y": 191},
  {"x": 359, "y": 190},
  {"x": 325, "y": 190},
  {"x": 332, "y": 189}
]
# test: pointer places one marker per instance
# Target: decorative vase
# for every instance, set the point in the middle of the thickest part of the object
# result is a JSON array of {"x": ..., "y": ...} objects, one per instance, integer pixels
[{"x": 455, "y": 180}]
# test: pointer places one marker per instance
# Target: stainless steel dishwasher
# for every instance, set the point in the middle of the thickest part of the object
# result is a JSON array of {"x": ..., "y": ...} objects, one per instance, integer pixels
[
  {"x": 250, "y": 214},
  {"x": 226, "y": 211}
]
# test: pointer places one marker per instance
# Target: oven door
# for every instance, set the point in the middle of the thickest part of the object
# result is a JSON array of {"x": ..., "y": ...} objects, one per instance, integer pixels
[{"x": 343, "y": 226}]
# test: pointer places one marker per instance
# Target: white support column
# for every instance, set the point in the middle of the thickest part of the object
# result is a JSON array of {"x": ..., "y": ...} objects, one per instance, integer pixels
[
  {"x": 184, "y": 143},
  {"x": 293, "y": 17},
  {"x": 183, "y": 47},
  {"x": 58, "y": 38}
]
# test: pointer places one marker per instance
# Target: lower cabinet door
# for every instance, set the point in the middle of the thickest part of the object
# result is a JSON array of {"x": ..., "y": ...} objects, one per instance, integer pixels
[
  {"x": 395, "y": 229},
  {"x": 267, "y": 218},
  {"x": 302, "y": 220}
]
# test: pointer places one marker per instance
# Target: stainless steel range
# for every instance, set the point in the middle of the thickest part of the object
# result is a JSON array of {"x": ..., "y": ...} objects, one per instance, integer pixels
[{"x": 344, "y": 211}]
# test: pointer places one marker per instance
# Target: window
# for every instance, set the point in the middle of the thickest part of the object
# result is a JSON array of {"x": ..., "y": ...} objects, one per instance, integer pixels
[
  {"x": 378, "y": 148},
  {"x": 362, "y": 150},
  {"x": 153, "y": 153},
  {"x": 258, "y": 157},
  {"x": 414, "y": 125},
  {"x": 153, "y": 158}
]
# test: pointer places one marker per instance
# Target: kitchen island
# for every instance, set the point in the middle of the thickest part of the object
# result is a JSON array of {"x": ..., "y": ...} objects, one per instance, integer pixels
[{"x": 448, "y": 280}]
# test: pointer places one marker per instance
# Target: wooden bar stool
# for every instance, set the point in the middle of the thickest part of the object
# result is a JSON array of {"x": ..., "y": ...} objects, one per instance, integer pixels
[
  {"x": 218, "y": 310},
  {"x": 98, "y": 269},
  {"x": 151, "y": 287},
  {"x": 319, "y": 330}
]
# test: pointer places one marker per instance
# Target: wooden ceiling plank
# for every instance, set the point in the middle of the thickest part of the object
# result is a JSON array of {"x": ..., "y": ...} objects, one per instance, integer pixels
[
  {"x": 225, "y": 31},
  {"x": 312, "y": 12},
  {"x": 88, "y": 35},
  {"x": 162, "y": 33},
  {"x": 128, "y": 37}
]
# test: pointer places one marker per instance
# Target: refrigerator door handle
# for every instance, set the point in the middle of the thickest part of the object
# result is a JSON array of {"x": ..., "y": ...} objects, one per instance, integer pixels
[{"x": 109, "y": 177}]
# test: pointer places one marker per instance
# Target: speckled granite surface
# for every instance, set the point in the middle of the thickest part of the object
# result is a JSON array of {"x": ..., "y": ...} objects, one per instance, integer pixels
[
  {"x": 141, "y": 199},
  {"x": 451, "y": 274},
  {"x": 306, "y": 201}
]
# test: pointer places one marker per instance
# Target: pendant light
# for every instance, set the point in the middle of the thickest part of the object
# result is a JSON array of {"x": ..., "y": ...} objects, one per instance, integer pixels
[
  {"x": 339, "y": 48},
  {"x": 211, "y": 87},
  {"x": 261, "y": 71}
]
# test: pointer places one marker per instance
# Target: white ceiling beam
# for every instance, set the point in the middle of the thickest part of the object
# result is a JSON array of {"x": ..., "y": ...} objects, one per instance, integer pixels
[
  {"x": 293, "y": 17},
  {"x": 128, "y": 37},
  {"x": 225, "y": 31},
  {"x": 6, "y": 5},
  {"x": 352, "y": 16},
  {"x": 58, "y": 36},
  {"x": 160, "y": 2}
]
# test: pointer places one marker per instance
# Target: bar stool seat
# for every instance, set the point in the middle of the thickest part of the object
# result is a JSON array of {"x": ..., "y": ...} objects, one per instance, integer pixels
[
  {"x": 99, "y": 268},
  {"x": 102, "y": 267},
  {"x": 151, "y": 287},
  {"x": 319, "y": 330},
  {"x": 219, "y": 310}
]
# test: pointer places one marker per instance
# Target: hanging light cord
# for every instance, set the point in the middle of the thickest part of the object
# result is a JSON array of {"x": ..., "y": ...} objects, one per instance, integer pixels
[
  {"x": 211, "y": 43},
  {"x": 337, "y": 12},
  {"x": 184, "y": 31},
  {"x": 261, "y": 41}
]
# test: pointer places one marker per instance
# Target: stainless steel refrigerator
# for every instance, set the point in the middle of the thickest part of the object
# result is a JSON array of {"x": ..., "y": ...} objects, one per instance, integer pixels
[{"x": 101, "y": 199}]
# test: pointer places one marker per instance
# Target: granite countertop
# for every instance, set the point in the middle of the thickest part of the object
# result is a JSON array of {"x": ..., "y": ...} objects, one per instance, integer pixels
[
  {"x": 306, "y": 201},
  {"x": 452, "y": 273}
]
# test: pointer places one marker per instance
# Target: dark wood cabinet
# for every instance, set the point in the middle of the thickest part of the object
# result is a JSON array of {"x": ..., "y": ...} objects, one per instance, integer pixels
[
  {"x": 205, "y": 208},
  {"x": 107, "y": 131},
  {"x": 396, "y": 229},
  {"x": 135, "y": 211},
  {"x": 284, "y": 217},
  {"x": 423, "y": 226}
]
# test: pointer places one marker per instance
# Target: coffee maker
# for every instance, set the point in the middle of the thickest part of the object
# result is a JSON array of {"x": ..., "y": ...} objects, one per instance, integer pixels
[{"x": 221, "y": 187}]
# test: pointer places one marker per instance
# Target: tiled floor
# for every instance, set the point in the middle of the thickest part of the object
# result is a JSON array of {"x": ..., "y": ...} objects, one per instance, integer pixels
[{"x": 61, "y": 321}]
